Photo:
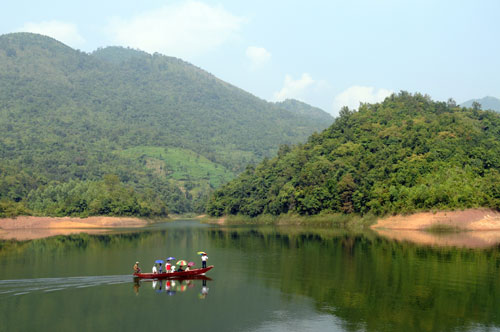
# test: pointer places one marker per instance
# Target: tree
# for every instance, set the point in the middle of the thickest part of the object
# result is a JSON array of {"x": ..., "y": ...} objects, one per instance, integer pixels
[
  {"x": 476, "y": 106},
  {"x": 451, "y": 103}
]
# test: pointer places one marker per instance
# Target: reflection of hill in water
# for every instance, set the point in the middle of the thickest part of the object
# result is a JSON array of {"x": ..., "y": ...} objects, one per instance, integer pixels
[
  {"x": 72, "y": 242},
  {"x": 374, "y": 283}
]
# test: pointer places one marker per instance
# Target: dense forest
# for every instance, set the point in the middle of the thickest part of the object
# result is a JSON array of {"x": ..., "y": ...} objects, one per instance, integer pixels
[
  {"x": 406, "y": 154},
  {"x": 123, "y": 132}
]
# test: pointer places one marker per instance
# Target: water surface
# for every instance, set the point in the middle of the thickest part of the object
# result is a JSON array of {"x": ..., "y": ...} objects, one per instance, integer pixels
[{"x": 265, "y": 279}]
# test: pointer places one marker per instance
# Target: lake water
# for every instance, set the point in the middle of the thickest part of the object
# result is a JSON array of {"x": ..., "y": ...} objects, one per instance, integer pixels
[{"x": 265, "y": 279}]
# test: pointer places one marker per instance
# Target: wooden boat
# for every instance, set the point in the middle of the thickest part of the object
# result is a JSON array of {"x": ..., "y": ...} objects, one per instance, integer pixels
[{"x": 174, "y": 275}]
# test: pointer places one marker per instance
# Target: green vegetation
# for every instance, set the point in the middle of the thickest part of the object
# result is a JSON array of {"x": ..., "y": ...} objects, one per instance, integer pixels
[
  {"x": 406, "y": 154},
  {"x": 166, "y": 131},
  {"x": 337, "y": 220},
  {"x": 443, "y": 228},
  {"x": 180, "y": 164}
]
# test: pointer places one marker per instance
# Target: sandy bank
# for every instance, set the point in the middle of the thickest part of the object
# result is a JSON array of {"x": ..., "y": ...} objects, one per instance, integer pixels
[
  {"x": 481, "y": 228},
  {"x": 469, "y": 220},
  {"x": 27, "y": 227}
]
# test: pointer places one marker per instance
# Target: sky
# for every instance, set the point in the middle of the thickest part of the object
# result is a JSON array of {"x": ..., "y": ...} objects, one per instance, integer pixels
[{"x": 325, "y": 53}]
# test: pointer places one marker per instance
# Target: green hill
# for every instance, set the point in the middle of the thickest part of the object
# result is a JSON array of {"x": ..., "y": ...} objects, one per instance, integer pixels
[
  {"x": 406, "y": 154},
  {"x": 120, "y": 131},
  {"x": 487, "y": 103}
]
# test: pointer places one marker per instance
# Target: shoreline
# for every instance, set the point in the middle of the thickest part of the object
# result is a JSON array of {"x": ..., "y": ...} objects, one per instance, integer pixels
[
  {"x": 470, "y": 228},
  {"x": 480, "y": 219},
  {"x": 477, "y": 219}
]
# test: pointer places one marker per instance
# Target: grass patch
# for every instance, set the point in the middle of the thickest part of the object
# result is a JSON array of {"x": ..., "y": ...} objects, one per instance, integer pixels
[{"x": 179, "y": 164}]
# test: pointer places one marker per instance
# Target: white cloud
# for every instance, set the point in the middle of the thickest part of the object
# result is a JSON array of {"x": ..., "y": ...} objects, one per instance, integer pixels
[
  {"x": 258, "y": 55},
  {"x": 183, "y": 29},
  {"x": 62, "y": 31},
  {"x": 296, "y": 89},
  {"x": 354, "y": 95}
]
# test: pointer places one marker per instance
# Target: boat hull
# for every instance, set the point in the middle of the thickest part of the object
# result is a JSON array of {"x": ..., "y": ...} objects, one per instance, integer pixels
[{"x": 174, "y": 275}]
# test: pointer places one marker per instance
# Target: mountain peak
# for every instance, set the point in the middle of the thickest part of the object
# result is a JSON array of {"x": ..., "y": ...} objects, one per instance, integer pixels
[{"x": 21, "y": 40}]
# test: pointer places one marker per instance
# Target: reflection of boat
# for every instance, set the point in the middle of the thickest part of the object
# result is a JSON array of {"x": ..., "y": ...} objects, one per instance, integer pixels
[
  {"x": 181, "y": 278},
  {"x": 196, "y": 277},
  {"x": 172, "y": 286},
  {"x": 191, "y": 274}
]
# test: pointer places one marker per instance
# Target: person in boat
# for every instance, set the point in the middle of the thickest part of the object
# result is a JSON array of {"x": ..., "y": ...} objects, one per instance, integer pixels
[
  {"x": 160, "y": 270},
  {"x": 204, "y": 259},
  {"x": 167, "y": 267},
  {"x": 172, "y": 268},
  {"x": 137, "y": 269},
  {"x": 154, "y": 270},
  {"x": 180, "y": 269}
]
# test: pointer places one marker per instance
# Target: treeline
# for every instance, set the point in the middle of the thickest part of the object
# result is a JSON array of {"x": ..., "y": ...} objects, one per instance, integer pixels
[
  {"x": 85, "y": 198},
  {"x": 406, "y": 154}
]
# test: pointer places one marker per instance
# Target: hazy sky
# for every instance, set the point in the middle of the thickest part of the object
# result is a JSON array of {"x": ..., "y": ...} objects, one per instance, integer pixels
[{"x": 326, "y": 53}]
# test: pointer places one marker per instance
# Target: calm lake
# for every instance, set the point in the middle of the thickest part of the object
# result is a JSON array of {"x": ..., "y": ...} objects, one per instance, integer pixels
[{"x": 265, "y": 279}]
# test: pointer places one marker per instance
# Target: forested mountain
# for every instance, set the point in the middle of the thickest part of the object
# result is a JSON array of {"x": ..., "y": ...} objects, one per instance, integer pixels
[
  {"x": 406, "y": 154},
  {"x": 120, "y": 131},
  {"x": 487, "y": 103}
]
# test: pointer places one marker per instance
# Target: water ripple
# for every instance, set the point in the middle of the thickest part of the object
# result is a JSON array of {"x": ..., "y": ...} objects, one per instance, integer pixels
[{"x": 26, "y": 286}]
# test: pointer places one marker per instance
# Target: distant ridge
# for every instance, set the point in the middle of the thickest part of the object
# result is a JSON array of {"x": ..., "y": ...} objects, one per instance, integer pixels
[
  {"x": 487, "y": 103},
  {"x": 301, "y": 108}
]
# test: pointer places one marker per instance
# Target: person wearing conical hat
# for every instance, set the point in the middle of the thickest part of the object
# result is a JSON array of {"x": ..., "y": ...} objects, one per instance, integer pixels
[{"x": 137, "y": 269}]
